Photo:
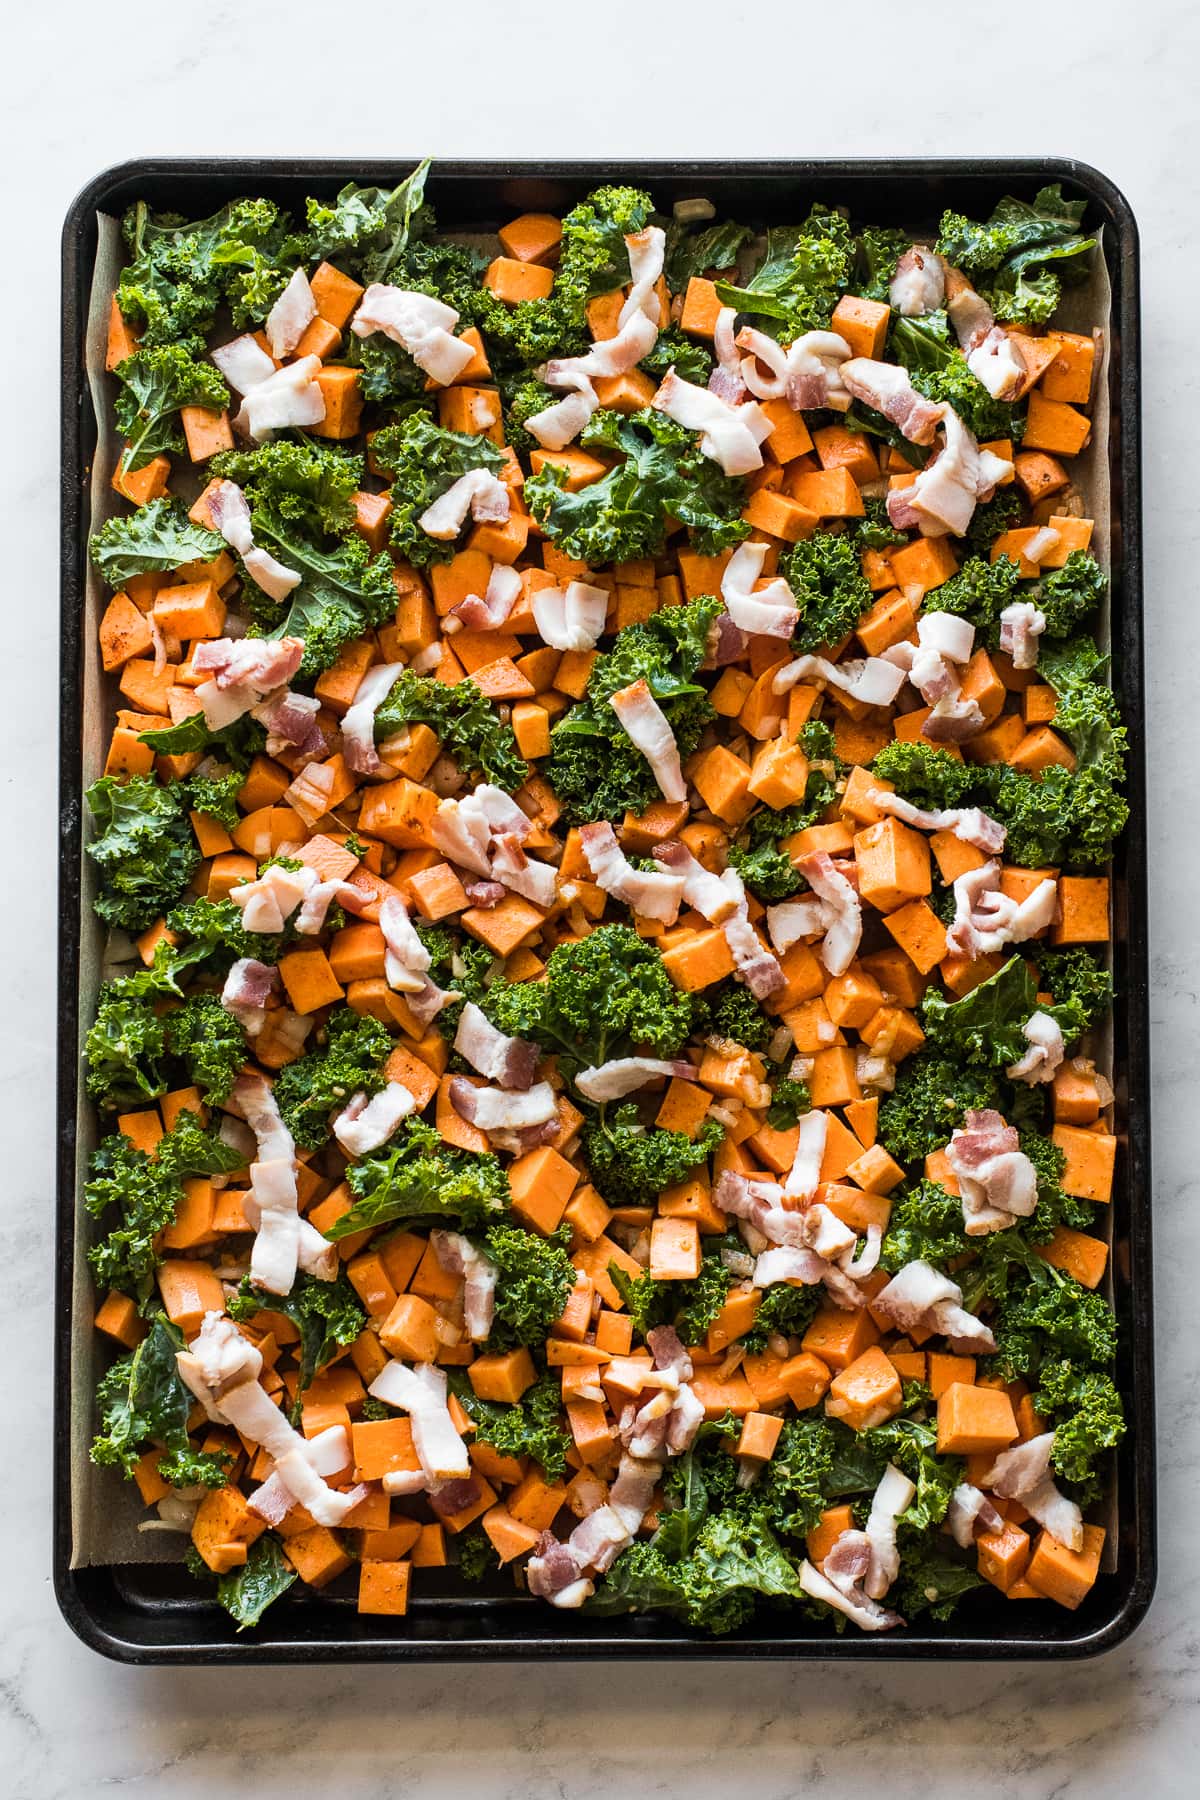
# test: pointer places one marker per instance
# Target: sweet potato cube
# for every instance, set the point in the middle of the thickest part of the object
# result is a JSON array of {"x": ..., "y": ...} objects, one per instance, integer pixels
[
  {"x": 337, "y": 295},
  {"x": 1091, "y": 1157},
  {"x": 1053, "y": 425},
  {"x": 1065, "y": 1575},
  {"x": 701, "y": 959},
  {"x": 513, "y": 281},
  {"x": 919, "y": 933},
  {"x": 1002, "y": 1556},
  {"x": 759, "y": 1436},
  {"x": 805, "y": 1379},
  {"x": 410, "y": 1330},
  {"x": 309, "y": 980},
  {"x": 674, "y": 1250},
  {"x": 973, "y": 1419},
  {"x": 342, "y": 391},
  {"x": 1069, "y": 376},
  {"x": 383, "y": 1587},
  {"x": 1083, "y": 910},
  {"x": 223, "y": 1527},
  {"x": 839, "y": 1337},
  {"x": 893, "y": 864},
  {"x": 1083, "y": 1257},
  {"x": 541, "y": 1182},
  {"x": 317, "y": 1555},
  {"x": 866, "y": 1393},
  {"x": 502, "y": 1376},
  {"x": 829, "y": 1528},
  {"x": 382, "y": 1447},
  {"x": 701, "y": 305},
  {"x": 189, "y": 1289},
  {"x": 863, "y": 324}
]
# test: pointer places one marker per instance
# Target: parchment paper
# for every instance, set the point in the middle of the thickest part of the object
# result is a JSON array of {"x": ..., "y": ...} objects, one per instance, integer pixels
[{"x": 106, "y": 1511}]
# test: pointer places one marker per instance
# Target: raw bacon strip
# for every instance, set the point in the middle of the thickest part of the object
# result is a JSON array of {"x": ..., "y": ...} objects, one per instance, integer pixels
[
  {"x": 229, "y": 511},
  {"x": 503, "y": 1109},
  {"x": 490, "y": 612},
  {"x": 1045, "y": 1053},
  {"x": 459, "y": 1255},
  {"x": 289, "y": 397},
  {"x": 479, "y": 493},
  {"x": 248, "y": 987},
  {"x": 421, "y": 1392},
  {"x": 917, "y": 1298},
  {"x": 291, "y": 316},
  {"x": 843, "y": 934},
  {"x": 872, "y": 679},
  {"x": 535, "y": 881},
  {"x": 943, "y": 497},
  {"x": 1023, "y": 1473},
  {"x": 244, "y": 671},
  {"x": 804, "y": 1176},
  {"x": 726, "y": 379},
  {"x": 244, "y": 363},
  {"x": 772, "y": 612},
  {"x": 509, "y": 1061},
  {"x": 970, "y": 1507},
  {"x": 625, "y": 1074},
  {"x": 985, "y": 919},
  {"x": 1021, "y": 625},
  {"x": 718, "y": 897},
  {"x": 363, "y": 1125},
  {"x": 754, "y": 965},
  {"x": 919, "y": 283},
  {"x": 419, "y": 324},
  {"x": 654, "y": 896},
  {"x": 967, "y": 823},
  {"x": 570, "y": 618},
  {"x": 887, "y": 388},
  {"x": 998, "y": 1182},
  {"x": 814, "y": 372},
  {"x": 406, "y": 960},
  {"x": 358, "y": 725},
  {"x": 729, "y": 435},
  {"x": 647, "y": 250},
  {"x": 867, "y": 1614},
  {"x": 645, "y": 723},
  {"x": 291, "y": 722},
  {"x": 893, "y": 1495}
]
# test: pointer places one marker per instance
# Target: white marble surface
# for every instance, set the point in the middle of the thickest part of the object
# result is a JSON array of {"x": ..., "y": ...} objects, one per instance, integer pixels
[{"x": 1110, "y": 83}]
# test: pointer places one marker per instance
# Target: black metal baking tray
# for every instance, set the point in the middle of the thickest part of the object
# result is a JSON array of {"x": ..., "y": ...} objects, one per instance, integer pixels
[{"x": 155, "y": 1613}]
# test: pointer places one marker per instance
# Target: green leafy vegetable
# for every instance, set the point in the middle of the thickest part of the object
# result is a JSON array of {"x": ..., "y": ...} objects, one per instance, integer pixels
[
  {"x": 367, "y": 229},
  {"x": 939, "y": 370},
  {"x": 416, "y": 1176},
  {"x": 157, "y": 536},
  {"x": 146, "y": 850},
  {"x": 660, "y": 475},
  {"x": 930, "y": 1101},
  {"x": 691, "y": 1306},
  {"x": 691, "y": 251},
  {"x": 831, "y": 591},
  {"x": 292, "y": 485},
  {"x": 986, "y": 1026},
  {"x": 310, "y": 1089},
  {"x": 804, "y": 271},
  {"x": 423, "y": 461},
  {"x": 606, "y": 995},
  {"x": 126, "y": 1048},
  {"x": 143, "y": 1403},
  {"x": 181, "y": 272},
  {"x": 155, "y": 383},
  {"x": 631, "y": 1165},
  {"x": 534, "y": 1277},
  {"x": 595, "y": 769},
  {"x": 210, "y": 1042},
  {"x": 466, "y": 723},
  {"x": 1014, "y": 246},
  {"x": 327, "y": 1315},
  {"x": 533, "y": 1426}
]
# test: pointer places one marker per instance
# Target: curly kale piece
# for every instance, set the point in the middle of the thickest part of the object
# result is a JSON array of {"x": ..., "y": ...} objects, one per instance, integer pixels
[
  {"x": 766, "y": 871},
  {"x": 465, "y": 722},
  {"x": 660, "y": 476},
  {"x": 146, "y": 1193},
  {"x": 927, "y": 776},
  {"x": 157, "y": 536},
  {"x": 126, "y": 1047},
  {"x": 291, "y": 485},
  {"x": 709, "y": 249},
  {"x": 534, "y": 1277},
  {"x": 731, "y": 1011},
  {"x": 533, "y": 1426},
  {"x": 673, "y": 349},
  {"x": 1085, "y": 1409},
  {"x": 416, "y": 1176},
  {"x": 1076, "y": 978},
  {"x": 155, "y": 383},
  {"x": 309, "y": 1090},
  {"x": 938, "y": 369},
  {"x": 784, "y": 1309},
  {"x": 180, "y": 272},
  {"x": 824, "y": 574},
  {"x": 423, "y": 461},
  {"x": 606, "y": 995},
  {"x": 367, "y": 229},
  {"x": 986, "y": 1027},
  {"x": 631, "y": 1165},
  {"x": 210, "y": 1042},
  {"x": 1052, "y": 1315},
  {"x": 878, "y": 248},
  {"x": 931, "y": 1099},
  {"x": 804, "y": 271},
  {"x": 145, "y": 849},
  {"x": 1013, "y": 248}
]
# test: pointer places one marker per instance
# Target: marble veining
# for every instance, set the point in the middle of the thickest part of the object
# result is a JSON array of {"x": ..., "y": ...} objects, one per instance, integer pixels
[{"x": 1113, "y": 87}]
